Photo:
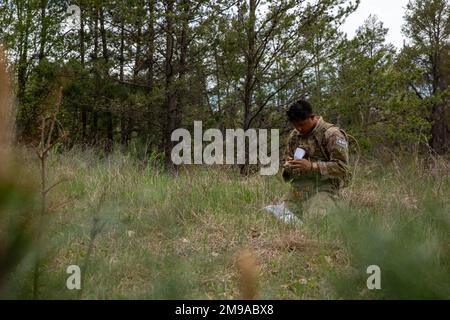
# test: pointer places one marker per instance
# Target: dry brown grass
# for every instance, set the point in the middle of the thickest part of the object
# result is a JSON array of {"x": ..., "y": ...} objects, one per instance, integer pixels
[
  {"x": 248, "y": 270},
  {"x": 16, "y": 209}
]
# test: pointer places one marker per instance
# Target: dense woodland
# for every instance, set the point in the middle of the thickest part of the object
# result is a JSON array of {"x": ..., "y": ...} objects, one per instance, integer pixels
[{"x": 135, "y": 70}]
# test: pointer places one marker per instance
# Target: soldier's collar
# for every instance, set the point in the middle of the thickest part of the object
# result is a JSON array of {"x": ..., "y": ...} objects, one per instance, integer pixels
[
  {"x": 318, "y": 125},
  {"x": 316, "y": 128}
]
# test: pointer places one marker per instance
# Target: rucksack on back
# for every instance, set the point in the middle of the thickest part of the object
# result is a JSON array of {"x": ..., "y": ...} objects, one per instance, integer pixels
[{"x": 348, "y": 177}]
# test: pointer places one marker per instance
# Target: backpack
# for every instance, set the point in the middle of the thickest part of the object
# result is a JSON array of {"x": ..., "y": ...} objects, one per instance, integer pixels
[{"x": 323, "y": 148}]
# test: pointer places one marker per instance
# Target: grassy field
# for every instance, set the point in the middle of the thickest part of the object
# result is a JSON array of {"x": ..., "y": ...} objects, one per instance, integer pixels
[{"x": 140, "y": 233}]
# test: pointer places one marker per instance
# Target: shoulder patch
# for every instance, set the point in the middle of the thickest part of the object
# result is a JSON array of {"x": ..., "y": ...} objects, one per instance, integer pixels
[{"x": 341, "y": 142}]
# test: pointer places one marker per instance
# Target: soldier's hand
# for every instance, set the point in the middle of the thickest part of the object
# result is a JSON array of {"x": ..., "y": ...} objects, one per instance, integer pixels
[
  {"x": 286, "y": 164},
  {"x": 302, "y": 164}
]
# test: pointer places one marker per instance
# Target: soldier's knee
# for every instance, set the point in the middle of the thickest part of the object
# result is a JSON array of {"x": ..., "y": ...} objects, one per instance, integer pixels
[{"x": 319, "y": 205}]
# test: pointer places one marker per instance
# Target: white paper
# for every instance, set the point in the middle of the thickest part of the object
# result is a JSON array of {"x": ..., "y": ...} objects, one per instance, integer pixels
[
  {"x": 281, "y": 212},
  {"x": 299, "y": 153}
]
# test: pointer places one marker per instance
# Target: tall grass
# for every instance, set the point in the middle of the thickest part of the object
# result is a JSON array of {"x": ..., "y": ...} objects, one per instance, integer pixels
[
  {"x": 17, "y": 194},
  {"x": 178, "y": 236},
  {"x": 400, "y": 223}
]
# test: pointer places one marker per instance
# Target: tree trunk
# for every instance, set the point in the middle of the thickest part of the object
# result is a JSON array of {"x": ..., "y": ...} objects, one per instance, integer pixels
[
  {"x": 137, "y": 68},
  {"x": 150, "y": 73},
  {"x": 109, "y": 118},
  {"x": 123, "y": 119},
  {"x": 44, "y": 27},
  {"x": 97, "y": 76},
  {"x": 151, "y": 43},
  {"x": 440, "y": 135},
  {"x": 171, "y": 103},
  {"x": 249, "y": 76},
  {"x": 23, "y": 52},
  {"x": 440, "y": 131},
  {"x": 181, "y": 90},
  {"x": 82, "y": 60},
  {"x": 24, "y": 14},
  {"x": 250, "y": 62}
]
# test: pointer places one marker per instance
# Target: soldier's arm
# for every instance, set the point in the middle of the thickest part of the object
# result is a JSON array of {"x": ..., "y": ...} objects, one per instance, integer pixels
[{"x": 337, "y": 147}]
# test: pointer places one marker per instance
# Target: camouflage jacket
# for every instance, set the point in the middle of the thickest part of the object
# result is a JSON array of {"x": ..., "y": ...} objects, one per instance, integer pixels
[{"x": 326, "y": 145}]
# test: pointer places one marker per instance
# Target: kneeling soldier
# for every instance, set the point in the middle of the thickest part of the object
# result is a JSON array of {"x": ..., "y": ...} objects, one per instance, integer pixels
[{"x": 324, "y": 170}]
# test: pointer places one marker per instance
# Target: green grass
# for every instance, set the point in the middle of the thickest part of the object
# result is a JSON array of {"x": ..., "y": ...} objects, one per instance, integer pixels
[{"x": 177, "y": 237}]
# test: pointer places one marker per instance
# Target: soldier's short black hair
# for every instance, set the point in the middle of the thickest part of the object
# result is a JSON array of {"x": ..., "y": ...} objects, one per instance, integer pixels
[{"x": 299, "y": 110}]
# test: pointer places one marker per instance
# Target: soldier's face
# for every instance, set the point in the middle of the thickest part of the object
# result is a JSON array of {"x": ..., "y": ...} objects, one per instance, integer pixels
[{"x": 304, "y": 126}]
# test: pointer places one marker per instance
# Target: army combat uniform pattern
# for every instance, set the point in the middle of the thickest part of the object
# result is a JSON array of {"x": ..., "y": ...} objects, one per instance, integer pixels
[{"x": 312, "y": 192}]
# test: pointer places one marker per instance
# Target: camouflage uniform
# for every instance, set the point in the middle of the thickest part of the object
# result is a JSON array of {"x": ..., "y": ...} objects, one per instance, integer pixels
[{"x": 312, "y": 192}]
